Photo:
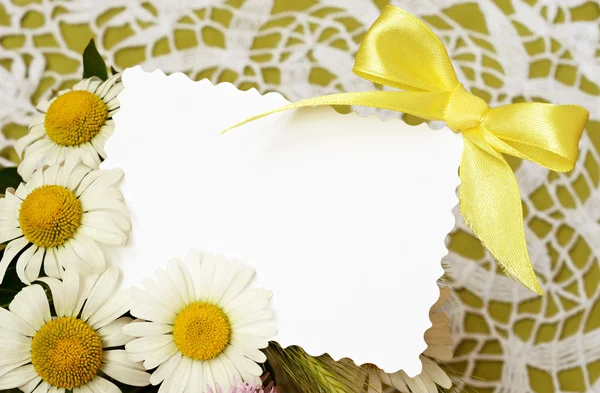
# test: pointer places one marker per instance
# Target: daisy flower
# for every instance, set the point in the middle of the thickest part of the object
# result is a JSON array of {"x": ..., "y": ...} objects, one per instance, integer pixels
[
  {"x": 59, "y": 218},
  {"x": 204, "y": 325},
  {"x": 75, "y": 120},
  {"x": 438, "y": 340},
  {"x": 68, "y": 352}
]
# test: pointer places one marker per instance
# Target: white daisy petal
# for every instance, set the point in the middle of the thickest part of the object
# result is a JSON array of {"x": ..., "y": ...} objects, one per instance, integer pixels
[
  {"x": 54, "y": 156},
  {"x": 258, "y": 330},
  {"x": 31, "y": 304},
  {"x": 116, "y": 365},
  {"x": 113, "y": 105},
  {"x": 8, "y": 224},
  {"x": 10, "y": 196},
  {"x": 100, "y": 232},
  {"x": 106, "y": 86},
  {"x": 88, "y": 250},
  {"x": 17, "y": 377},
  {"x": 196, "y": 377},
  {"x": 114, "y": 92},
  {"x": 12, "y": 356},
  {"x": 112, "y": 335},
  {"x": 233, "y": 372},
  {"x": 9, "y": 215},
  {"x": 23, "y": 261},
  {"x": 34, "y": 155},
  {"x": 43, "y": 387},
  {"x": 81, "y": 85},
  {"x": 249, "y": 302},
  {"x": 15, "y": 324},
  {"x": 71, "y": 178},
  {"x": 71, "y": 292},
  {"x": 51, "y": 266},
  {"x": 154, "y": 358},
  {"x": 177, "y": 382},
  {"x": 252, "y": 319},
  {"x": 250, "y": 347},
  {"x": 98, "y": 146},
  {"x": 163, "y": 292},
  {"x": 122, "y": 222},
  {"x": 33, "y": 136},
  {"x": 223, "y": 275},
  {"x": 252, "y": 340},
  {"x": 102, "y": 179},
  {"x": 42, "y": 106},
  {"x": 105, "y": 202},
  {"x": 11, "y": 250},
  {"x": 219, "y": 372},
  {"x": 120, "y": 356},
  {"x": 145, "y": 309},
  {"x": 148, "y": 329},
  {"x": 32, "y": 270},
  {"x": 241, "y": 280},
  {"x": 207, "y": 269},
  {"x": 246, "y": 365},
  {"x": 10, "y": 205},
  {"x": 167, "y": 289},
  {"x": 7, "y": 234},
  {"x": 89, "y": 155},
  {"x": 146, "y": 344},
  {"x": 101, "y": 291},
  {"x": 181, "y": 279},
  {"x": 165, "y": 369},
  {"x": 94, "y": 84},
  {"x": 101, "y": 385},
  {"x": 209, "y": 379},
  {"x": 117, "y": 305},
  {"x": 12, "y": 366},
  {"x": 31, "y": 385},
  {"x": 69, "y": 259}
]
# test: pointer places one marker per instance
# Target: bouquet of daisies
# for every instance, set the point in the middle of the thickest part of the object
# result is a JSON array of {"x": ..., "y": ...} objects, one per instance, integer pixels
[{"x": 197, "y": 327}]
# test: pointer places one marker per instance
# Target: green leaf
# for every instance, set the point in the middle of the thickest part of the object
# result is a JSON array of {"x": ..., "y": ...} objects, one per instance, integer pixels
[
  {"x": 93, "y": 64},
  {"x": 113, "y": 70},
  {"x": 11, "y": 285},
  {"x": 9, "y": 178},
  {"x": 311, "y": 374}
]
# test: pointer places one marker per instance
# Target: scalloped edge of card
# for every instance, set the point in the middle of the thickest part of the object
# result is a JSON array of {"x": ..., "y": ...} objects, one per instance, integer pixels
[{"x": 277, "y": 99}]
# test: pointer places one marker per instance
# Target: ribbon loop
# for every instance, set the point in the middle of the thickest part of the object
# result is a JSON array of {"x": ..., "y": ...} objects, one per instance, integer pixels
[
  {"x": 400, "y": 51},
  {"x": 465, "y": 110}
]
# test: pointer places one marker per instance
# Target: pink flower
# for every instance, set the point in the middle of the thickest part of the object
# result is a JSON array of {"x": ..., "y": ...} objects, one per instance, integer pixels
[{"x": 246, "y": 387}]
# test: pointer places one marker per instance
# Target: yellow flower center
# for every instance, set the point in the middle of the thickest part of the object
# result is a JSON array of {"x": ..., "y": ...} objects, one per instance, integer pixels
[
  {"x": 201, "y": 331},
  {"x": 66, "y": 352},
  {"x": 75, "y": 118},
  {"x": 50, "y": 215}
]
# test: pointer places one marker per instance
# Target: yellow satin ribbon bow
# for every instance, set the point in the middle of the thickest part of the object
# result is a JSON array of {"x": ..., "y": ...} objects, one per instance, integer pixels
[{"x": 400, "y": 51}]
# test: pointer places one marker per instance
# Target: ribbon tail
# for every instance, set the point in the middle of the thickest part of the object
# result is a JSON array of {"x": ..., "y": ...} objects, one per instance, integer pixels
[
  {"x": 429, "y": 105},
  {"x": 490, "y": 203}
]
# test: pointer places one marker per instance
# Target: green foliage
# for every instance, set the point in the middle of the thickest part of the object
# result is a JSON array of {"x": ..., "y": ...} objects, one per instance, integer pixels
[
  {"x": 10, "y": 286},
  {"x": 316, "y": 374},
  {"x": 9, "y": 178},
  {"x": 93, "y": 64}
]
